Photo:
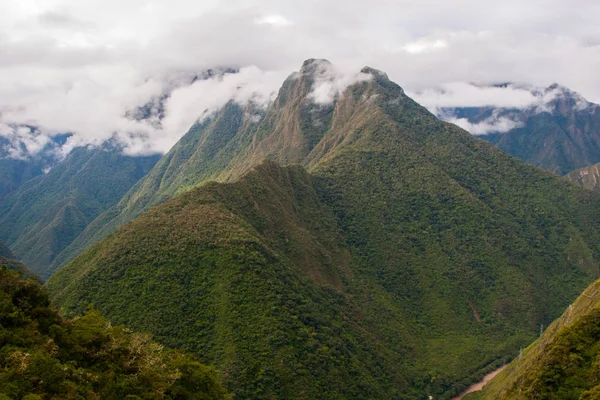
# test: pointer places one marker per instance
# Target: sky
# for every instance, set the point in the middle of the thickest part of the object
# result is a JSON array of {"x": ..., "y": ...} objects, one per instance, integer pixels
[{"x": 86, "y": 66}]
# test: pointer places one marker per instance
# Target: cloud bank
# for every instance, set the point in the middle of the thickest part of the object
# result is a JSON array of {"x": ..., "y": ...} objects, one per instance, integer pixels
[{"x": 85, "y": 67}]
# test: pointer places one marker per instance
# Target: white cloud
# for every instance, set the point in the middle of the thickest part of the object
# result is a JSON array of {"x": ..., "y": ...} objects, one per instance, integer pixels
[
  {"x": 423, "y": 46},
  {"x": 460, "y": 94},
  {"x": 493, "y": 124},
  {"x": 81, "y": 66},
  {"x": 330, "y": 82},
  {"x": 195, "y": 102},
  {"x": 274, "y": 19}
]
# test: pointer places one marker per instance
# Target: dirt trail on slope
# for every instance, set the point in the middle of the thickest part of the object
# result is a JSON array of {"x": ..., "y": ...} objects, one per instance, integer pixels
[{"x": 479, "y": 385}]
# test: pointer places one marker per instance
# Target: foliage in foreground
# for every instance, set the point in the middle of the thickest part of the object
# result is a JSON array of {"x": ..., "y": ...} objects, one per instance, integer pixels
[{"x": 43, "y": 356}]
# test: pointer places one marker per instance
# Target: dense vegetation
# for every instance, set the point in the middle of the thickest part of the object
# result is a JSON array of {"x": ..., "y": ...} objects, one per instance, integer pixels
[
  {"x": 43, "y": 356},
  {"x": 412, "y": 259},
  {"x": 562, "y": 137},
  {"x": 44, "y": 215},
  {"x": 562, "y": 363}
]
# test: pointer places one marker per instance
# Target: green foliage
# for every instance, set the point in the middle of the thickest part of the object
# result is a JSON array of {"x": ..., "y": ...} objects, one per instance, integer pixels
[
  {"x": 45, "y": 214},
  {"x": 43, "y": 356}
]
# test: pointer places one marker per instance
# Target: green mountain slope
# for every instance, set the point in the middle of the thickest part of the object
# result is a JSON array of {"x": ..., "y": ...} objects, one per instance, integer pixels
[
  {"x": 224, "y": 147},
  {"x": 410, "y": 260},
  {"x": 562, "y": 363},
  {"x": 43, "y": 356},
  {"x": 588, "y": 177},
  {"x": 44, "y": 215},
  {"x": 561, "y": 136}
]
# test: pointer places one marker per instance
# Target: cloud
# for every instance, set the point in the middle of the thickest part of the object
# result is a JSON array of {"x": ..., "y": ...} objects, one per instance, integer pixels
[
  {"x": 83, "y": 66},
  {"x": 189, "y": 104},
  {"x": 274, "y": 19},
  {"x": 23, "y": 142},
  {"x": 330, "y": 82},
  {"x": 423, "y": 46},
  {"x": 494, "y": 124},
  {"x": 460, "y": 94}
]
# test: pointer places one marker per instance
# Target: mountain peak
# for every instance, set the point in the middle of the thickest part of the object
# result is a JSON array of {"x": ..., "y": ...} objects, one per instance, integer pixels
[
  {"x": 314, "y": 65},
  {"x": 375, "y": 72}
]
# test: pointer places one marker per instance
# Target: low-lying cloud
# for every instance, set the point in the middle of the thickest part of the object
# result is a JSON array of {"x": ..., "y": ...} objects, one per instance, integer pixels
[
  {"x": 85, "y": 67},
  {"x": 330, "y": 82}
]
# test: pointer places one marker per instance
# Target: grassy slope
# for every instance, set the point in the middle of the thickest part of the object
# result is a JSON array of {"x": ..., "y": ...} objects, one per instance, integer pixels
[
  {"x": 442, "y": 255},
  {"x": 44, "y": 215},
  {"x": 562, "y": 363},
  {"x": 43, "y": 356}
]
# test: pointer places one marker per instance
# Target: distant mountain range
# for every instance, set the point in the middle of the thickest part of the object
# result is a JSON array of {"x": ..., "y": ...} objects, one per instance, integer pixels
[
  {"x": 16, "y": 169},
  {"x": 560, "y": 133},
  {"x": 378, "y": 252},
  {"x": 42, "y": 216}
]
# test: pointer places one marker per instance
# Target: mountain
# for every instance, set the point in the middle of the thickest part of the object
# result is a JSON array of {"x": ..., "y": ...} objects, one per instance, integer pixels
[
  {"x": 395, "y": 256},
  {"x": 16, "y": 169},
  {"x": 44, "y": 356},
  {"x": 560, "y": 133},
  {"x": 588, "y": 177},
  {"x": 223, "y": 147},
  {"x": 44, "y": 215},
  {"x": 562, "y": 363}
]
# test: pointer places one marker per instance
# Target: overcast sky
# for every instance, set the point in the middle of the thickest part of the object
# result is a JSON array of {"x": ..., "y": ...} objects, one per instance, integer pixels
[{"x": 83, "y": 65}]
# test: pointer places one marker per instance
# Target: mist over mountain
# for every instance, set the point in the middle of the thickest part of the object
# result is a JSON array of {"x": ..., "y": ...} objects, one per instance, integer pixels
[
  {"x": 554, "y": 128},
  {"x": 22, "y": 159},
  {"x": 378, "y": 253}
]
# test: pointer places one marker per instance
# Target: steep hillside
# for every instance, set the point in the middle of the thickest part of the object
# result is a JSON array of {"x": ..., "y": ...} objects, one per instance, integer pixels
[
  {"x": 588, "y": 177},
  {"x": 44, "y": 215},
  {"x": 562, "y": 363},
  {"x": 200, "y": 155},
  {"x": 559, "y": 135},
  {"x": 412, "y": 259},
  {"x": 225, "y": 146},
  {"x": 43, "y": 356}
]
